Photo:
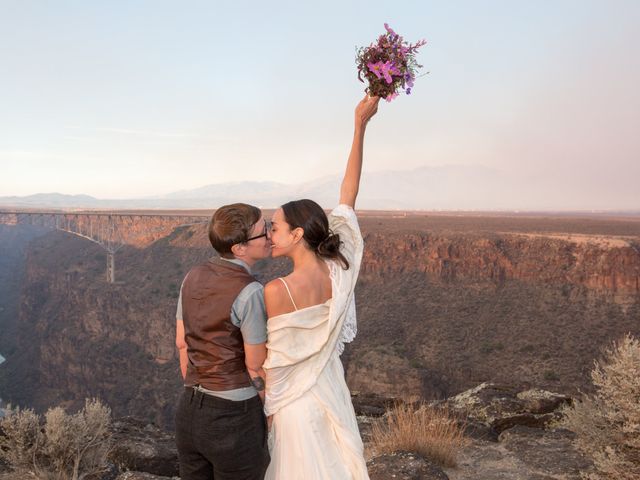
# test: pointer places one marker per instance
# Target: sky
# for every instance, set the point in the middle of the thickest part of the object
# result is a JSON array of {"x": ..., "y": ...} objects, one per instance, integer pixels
[{"x": 126, "y": 99}]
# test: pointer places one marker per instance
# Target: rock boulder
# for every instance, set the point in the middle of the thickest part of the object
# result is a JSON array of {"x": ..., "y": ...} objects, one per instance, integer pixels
[{"x": 143, "y": 447}]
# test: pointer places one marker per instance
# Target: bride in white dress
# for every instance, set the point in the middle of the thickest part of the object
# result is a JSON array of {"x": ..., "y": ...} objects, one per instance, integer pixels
[{"x": 314, "y": 433}]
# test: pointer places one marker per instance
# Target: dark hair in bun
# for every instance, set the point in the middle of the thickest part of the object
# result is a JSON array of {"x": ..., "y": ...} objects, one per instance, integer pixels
[{"x": 309, "y": 216}]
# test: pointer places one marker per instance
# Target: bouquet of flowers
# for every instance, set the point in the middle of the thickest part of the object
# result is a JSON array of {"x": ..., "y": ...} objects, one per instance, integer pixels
[{"x": 388, "y": 65}]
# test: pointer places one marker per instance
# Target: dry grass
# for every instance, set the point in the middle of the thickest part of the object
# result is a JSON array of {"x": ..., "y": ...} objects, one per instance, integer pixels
[{"x": 431, "y": 432}]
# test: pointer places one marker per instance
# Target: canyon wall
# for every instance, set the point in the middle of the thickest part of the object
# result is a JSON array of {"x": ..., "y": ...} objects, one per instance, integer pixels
[{"x": 439, "y": 310}]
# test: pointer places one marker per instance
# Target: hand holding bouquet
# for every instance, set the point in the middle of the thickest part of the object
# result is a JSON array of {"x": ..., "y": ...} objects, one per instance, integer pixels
[{"x": 388, "y": 65}]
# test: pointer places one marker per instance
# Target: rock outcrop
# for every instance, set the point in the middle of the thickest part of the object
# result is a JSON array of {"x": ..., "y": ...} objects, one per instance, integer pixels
[
  {"x": 143, "y": 476},
  {"x": 141, "y": 446},
  {"x": 522, "y": 453},
  {"x": 511, "y": 438},
  {"x": 500, "y": 407},
  {"x": 144, "y": 452},
  {"x": 404, "y": 466}
]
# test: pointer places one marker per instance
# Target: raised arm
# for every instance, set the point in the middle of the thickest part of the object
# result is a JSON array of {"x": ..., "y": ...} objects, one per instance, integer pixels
[{"x": 366, "y": 109}]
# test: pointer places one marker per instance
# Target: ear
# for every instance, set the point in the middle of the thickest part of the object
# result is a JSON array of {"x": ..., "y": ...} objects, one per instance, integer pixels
[
  {"x": 238, "y": 249},
  {"x": 298, "y": 233}
]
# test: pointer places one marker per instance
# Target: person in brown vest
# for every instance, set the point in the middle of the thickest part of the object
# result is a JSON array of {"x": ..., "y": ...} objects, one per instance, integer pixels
[{"x": 220, "y": 334}]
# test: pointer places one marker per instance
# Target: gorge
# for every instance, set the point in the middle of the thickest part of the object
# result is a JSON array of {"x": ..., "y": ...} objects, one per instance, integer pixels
[{"x": 444, "y": 302}]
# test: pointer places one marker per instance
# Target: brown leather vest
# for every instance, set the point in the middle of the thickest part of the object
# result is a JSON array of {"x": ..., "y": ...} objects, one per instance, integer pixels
[{"x": 214, "y": 344}]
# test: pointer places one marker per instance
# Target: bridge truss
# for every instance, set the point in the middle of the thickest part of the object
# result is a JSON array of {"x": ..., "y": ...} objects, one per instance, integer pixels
[{"x": 111, "y": 231}]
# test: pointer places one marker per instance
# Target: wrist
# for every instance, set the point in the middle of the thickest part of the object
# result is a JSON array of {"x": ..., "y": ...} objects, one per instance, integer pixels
[{"x": 360, "y": 126}]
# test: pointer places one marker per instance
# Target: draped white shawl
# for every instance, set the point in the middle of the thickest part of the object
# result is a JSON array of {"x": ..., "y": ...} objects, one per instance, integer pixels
[{"x": 300, "y": 343}]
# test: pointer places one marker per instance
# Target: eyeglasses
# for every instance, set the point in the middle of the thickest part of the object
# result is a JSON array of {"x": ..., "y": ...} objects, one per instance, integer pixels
[{"x": 265, "y": 233}]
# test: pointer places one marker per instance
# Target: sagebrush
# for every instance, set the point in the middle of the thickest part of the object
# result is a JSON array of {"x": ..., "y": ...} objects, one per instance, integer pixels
[
  {"x": 59, "y": 446},
  {"x": 431, "y": 432},
  {"x": 607, "y": 423}
]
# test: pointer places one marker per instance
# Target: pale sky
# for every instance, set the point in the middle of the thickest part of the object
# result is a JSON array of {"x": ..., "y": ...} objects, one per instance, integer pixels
[{"x": 131, "y": 98}]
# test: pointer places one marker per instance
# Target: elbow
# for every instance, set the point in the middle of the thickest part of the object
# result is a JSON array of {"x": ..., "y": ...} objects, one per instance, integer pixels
[
  {"x": 254, "y": 362},
  {"x": 254, "y": 356},
  {"x": 254, "y": 365},
  {"x": 181, "y": 344}
]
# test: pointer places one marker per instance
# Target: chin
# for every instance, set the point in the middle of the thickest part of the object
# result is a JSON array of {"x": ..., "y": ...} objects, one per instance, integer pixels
[{"x": 276, "y": 253}]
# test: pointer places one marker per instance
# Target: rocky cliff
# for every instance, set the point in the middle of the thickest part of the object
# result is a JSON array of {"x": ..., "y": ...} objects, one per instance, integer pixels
[{"x": 444, "y": 303}]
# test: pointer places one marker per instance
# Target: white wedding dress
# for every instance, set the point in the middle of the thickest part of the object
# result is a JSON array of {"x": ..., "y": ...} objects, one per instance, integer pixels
[{"x": 314, "y": 434}]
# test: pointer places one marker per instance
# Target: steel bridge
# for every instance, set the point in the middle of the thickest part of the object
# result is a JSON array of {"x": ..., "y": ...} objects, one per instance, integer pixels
[{"x": 110, "y": 230}]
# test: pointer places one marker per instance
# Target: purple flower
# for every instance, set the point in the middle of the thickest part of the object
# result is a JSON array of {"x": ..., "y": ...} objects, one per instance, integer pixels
[
  {"x": 388, "y": 69},
  {"x": 376, "y": 68},
  {"x": 385, "y": 70},
  {"x": 389, "y": 29},
  {"x": 408, "y": 78}
]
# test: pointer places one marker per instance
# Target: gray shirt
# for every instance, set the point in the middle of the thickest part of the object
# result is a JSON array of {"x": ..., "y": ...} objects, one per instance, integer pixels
[{"x": 248, "y": 313}]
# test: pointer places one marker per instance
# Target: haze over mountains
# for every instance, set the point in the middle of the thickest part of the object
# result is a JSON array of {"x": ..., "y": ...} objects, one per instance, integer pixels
[{"x": 450, "y": 187}]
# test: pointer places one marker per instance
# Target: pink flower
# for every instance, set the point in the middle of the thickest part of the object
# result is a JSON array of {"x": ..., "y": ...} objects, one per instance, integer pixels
[
  {"x": 389, "y": 69},
  {"x": 389, "y": 29},
  {"x": 391, "y": 96},
  {"x": 376, "y": 68}
]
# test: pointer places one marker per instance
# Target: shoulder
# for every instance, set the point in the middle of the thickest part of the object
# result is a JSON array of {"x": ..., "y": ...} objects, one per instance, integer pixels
[
  {"x": 254, "y": 288},
  {"x": 250, "y": 297},
  {"x": 200, "y": 266},
  {"x": 344, "y": 222},
  {"x": 276, "y": 297},
  {"x": 343, "y": 219},
  {"x": 343, "y": 211},
  {"x": 274, "y": 289},
  {"x": 194, "y": 273}
]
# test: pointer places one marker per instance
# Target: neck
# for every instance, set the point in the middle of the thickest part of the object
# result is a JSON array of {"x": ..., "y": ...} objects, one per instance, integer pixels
[
  {"x": 304, "y": 258},
  {"x": 249, "y": 261}
]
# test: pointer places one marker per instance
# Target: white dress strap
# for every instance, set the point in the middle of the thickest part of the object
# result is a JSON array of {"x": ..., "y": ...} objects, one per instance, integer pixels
[{"x": 288, "y": 291}]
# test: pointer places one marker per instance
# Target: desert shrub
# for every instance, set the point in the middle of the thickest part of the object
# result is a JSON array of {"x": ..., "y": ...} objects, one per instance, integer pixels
[
  {"x": 61, "y": 447},
  {"x": 489, "y": 347},
  {"x": 415, "y": 363},
  {"x": 607, "y": 423},
  {"x": 551, "y": 376},
  {"x": 431, "y": 432},
  {"x": 19, "y": 436}
]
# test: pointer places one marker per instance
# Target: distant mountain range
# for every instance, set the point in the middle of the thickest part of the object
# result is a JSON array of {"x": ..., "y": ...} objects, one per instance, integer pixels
[{"x": 451, "y": 187}]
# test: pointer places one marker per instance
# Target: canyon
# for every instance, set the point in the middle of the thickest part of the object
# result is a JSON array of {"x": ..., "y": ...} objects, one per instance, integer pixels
[{"x": 445, "y": 301}]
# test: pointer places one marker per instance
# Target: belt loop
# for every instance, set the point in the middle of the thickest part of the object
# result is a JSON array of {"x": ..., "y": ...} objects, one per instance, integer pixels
[
  {"x": 245, "y": 405},
  {"x": 193, "y": 392},
  {"x": 201, "y": 399}
]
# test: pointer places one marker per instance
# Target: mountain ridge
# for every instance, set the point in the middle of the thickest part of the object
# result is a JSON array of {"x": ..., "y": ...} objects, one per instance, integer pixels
[{"x": 446, "y": 187}]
